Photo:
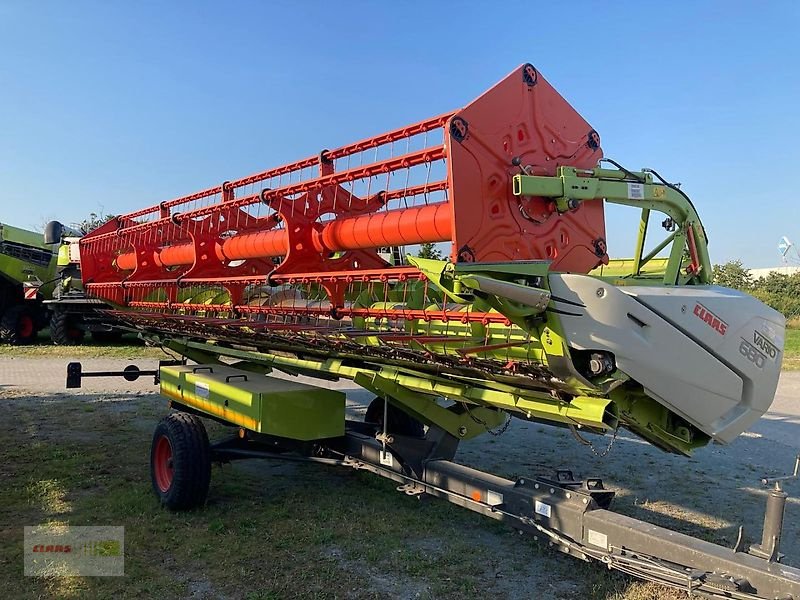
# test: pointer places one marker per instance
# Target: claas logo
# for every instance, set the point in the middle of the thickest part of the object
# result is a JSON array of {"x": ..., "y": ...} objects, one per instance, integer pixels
[
  {"x": 710, "y": 319},
  {"x": 52, "y": 548}
]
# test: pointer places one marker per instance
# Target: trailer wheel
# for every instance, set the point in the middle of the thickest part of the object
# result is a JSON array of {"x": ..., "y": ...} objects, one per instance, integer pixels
[
  {"x": 398, "y": 421},
  {"x": 65, "y": 329},
  {"x": 180, "y": 461},
  {"x": 18, "y": 326}
]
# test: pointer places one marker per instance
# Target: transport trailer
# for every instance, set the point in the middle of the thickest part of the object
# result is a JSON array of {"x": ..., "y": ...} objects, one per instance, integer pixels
[{"x": 280, "y": 419}]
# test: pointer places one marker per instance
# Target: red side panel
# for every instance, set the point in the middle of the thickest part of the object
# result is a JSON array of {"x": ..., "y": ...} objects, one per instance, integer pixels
[{"x": 523, "y": 117}]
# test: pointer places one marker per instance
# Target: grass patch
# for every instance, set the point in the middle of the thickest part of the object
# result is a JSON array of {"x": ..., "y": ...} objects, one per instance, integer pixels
[
  {"x": 129, "y": 347},
  {"x": 791, "y": 349},
  {"x": 269, "y": 530}
]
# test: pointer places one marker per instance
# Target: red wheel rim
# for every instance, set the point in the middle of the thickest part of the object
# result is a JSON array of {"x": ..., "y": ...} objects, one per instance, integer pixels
[
  {"x": 162, "y": 464},
  {"x": 25, "y": 327}
]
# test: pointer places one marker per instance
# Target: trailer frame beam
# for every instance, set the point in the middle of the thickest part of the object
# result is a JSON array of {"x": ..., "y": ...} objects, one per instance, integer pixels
[{"x": 572, "y": 516}]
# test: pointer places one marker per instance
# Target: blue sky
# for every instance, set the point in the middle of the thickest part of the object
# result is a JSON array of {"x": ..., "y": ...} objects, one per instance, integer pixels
[{"x": 111, "y": 106}]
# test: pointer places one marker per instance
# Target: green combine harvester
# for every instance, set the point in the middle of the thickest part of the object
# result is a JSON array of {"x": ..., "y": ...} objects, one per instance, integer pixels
[
  {"x": 27, "y": 279},
  {"x": 40, "y": 286}
]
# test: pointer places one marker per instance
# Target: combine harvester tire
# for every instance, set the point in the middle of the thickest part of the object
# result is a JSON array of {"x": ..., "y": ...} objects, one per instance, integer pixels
[
  {"x": 64, "y": 331},
  {"x": 18, "y": 326}
]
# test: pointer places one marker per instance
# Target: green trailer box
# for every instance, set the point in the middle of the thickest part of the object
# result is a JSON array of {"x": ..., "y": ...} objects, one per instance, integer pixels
[{"x": 259, "y": 403}]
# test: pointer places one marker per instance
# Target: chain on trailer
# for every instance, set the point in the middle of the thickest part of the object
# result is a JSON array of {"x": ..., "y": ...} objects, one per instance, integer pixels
[
  {"x": 489, "y": 430},
  {"x": 589, "y": 444}
]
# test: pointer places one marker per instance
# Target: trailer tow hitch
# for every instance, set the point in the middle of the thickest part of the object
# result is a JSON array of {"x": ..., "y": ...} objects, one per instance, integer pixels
[{"x": 76, "y": 374}]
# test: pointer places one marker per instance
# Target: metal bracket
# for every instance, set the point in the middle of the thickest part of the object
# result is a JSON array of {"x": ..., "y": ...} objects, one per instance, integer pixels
[
  {"x": 411, "y": 489},
  {"x": 76, "y": 374},
  {"x": 778, "y": 480},
  {"x": 591, "y": 486},
  {"x": 739, "y": 545}
]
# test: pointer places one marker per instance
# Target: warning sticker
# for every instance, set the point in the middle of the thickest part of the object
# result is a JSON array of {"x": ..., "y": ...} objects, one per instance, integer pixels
[
  {"x": 494, "y": 498},
  {"x": 595, "y": 538},
  {"x": 201, "y": 389},
  {"x": 542, "y": 509},
  {"x": 635, "y": 191}
]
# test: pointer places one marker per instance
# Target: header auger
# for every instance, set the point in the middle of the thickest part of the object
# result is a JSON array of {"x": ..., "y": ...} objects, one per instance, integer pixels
[{"x": 312, "y": 269}]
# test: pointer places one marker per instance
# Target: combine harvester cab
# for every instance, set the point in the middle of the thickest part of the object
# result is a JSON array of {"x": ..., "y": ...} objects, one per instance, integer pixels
[{"x": 527, "y": 316}]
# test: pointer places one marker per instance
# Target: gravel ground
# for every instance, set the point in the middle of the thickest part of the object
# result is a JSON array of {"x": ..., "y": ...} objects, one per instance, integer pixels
[{"x": 708, "y": 495}]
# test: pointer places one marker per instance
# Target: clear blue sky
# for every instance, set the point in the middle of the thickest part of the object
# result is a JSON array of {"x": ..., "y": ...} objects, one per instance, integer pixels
[{"x": 111, "y": 106}]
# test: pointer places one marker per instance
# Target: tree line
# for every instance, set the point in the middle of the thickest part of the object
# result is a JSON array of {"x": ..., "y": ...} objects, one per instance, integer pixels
[{"x": 778, "y": 290}]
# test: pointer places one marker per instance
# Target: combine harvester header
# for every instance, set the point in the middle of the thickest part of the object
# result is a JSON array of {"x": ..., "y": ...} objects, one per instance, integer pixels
[
  {"x": 445, "y": 179},
  {"x": 302, "y": 268}
]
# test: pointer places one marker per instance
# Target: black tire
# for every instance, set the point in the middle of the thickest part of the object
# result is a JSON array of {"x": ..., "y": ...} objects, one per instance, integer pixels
[
  {"x": 18, "y": 326},
  {"x": 180, "y": 483},
  {"x": 398, "y": 421},
  {"x": 65, "y": 329}
]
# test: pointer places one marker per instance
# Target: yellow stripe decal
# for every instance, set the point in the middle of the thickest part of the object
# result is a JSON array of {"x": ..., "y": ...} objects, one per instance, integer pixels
[{"x": 214, "y": 409}]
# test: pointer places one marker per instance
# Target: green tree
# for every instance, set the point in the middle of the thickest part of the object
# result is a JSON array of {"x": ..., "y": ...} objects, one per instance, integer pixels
[
  {"x": 773, "y": 283},
  {"x": 93, "y": 221},
  {"x": 429, "y": 250},
  {"x": 733, "y": 274},
  {"x": 780, "y": 291}
]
